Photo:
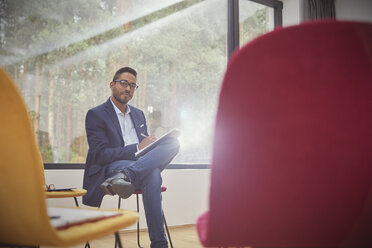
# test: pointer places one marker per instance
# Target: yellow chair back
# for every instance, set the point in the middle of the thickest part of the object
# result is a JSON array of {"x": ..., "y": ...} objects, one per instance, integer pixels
[
  {"x": 23, "y": 211},
  {"x": 23, "y": 214}
]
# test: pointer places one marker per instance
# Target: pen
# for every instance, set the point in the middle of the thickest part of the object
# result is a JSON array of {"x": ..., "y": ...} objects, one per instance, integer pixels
[{"x": 144, "y": 135}]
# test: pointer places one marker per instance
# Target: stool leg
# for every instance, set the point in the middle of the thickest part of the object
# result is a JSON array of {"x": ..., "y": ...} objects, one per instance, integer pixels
[
  {"x": 138, "y": 231},
  {"x": 119, "y": 202},
  {"x": 87, "y": 245},
  {"x": 166, "y": 227},
  {"x": 116, "y": 235},
  {"x": 76, "y": 202},
  {"x": 117, "y": 240}
]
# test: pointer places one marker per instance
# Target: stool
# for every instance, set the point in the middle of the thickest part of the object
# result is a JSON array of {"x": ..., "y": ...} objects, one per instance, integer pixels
[
  {"x": 138, "y": 192},
  {"x": 65, "y": 194}
]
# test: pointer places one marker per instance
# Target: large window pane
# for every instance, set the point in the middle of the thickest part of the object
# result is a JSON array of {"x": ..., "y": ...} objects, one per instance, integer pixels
[
  {"x": 254, "y": 19},
  {"x": 63, "y": 54}
]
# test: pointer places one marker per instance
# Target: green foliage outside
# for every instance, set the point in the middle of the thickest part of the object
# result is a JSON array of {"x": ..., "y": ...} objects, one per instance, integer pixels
[{"x": 62, "y": 52}]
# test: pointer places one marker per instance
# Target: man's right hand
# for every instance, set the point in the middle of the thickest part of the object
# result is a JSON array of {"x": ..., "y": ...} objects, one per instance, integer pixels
[{"x": 146, "y": 141}]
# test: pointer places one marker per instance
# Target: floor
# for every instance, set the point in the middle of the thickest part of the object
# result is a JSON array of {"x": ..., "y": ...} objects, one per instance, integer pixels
[{"x": 182, "y": 237}]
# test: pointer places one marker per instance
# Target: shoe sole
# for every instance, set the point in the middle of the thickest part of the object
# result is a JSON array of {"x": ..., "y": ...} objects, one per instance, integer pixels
[
  {"x": 124, "y": 191},
  {"x": 107, "y": 188}
]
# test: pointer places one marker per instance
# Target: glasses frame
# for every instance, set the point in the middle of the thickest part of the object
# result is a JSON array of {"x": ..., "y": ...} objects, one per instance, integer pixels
[
  {"x": 50, "y": 187},
  {"x": 125, "y": 84}
]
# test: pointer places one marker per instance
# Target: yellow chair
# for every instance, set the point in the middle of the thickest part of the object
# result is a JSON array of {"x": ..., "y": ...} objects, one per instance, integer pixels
[{"x": 23, "y": 212}]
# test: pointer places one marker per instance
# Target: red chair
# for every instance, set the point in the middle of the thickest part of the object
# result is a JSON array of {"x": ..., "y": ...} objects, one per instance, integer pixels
[
  {"x": 292, "y": 163},
  {"x": 139, "y": 192}
]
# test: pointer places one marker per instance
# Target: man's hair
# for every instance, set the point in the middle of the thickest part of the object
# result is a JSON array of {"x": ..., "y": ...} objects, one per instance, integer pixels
[{"x": 124, "y": 69}]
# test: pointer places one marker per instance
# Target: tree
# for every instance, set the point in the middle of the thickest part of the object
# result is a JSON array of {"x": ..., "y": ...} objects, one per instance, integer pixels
[{"x": 66, "y": 52}]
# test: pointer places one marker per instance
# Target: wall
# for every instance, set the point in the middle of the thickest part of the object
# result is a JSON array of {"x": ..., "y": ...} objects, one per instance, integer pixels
[
  {"x": 185, "y": 199},
  {"x": 357, "y": 10},
  {"x": 291, "y": 12}
]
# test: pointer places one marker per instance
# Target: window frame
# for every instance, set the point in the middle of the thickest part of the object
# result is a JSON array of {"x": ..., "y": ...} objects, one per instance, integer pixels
[{"x": 233, "y": 20}]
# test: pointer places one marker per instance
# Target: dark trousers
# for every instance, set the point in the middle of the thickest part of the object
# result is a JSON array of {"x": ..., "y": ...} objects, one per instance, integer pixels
[{"x": 145, "y": 174}]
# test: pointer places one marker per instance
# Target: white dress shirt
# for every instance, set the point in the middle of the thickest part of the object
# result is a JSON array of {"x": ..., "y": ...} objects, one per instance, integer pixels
[{"x": 126, "y": 125}]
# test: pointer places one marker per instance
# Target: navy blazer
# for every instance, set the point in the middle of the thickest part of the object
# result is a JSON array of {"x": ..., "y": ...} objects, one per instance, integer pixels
[{"x": 106, "y": 145}]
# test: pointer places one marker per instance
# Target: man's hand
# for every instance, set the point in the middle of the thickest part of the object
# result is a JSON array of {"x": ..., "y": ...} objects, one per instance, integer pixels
[{"x": 146, "y": 141}]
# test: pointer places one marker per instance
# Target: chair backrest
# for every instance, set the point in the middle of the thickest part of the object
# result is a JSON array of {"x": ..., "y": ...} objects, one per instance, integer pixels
[
  {"x": 292, "y": 163},
  {"x": 23, "y": 214}
]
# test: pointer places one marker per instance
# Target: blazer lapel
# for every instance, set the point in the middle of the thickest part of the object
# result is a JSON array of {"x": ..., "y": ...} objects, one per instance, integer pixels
[
  {"x": 136, "y": 124},
  {"x": 112, "y": 114}
]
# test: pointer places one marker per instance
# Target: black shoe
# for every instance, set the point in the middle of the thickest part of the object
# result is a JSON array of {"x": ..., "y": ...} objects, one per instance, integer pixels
[{"x": 119, "y": 184}]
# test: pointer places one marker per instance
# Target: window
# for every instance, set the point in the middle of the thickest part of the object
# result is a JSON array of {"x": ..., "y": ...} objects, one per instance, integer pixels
[
  {"x": 63, "y": 54},
  {"x": 254, "y": 19},
  {"x": 248, "y": 19}
]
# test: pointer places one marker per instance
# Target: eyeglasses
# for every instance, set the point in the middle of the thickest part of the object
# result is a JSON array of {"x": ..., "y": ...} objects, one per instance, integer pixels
[
  {"x": 125, "y": 84},
  {"x": 49, "y": 187}
]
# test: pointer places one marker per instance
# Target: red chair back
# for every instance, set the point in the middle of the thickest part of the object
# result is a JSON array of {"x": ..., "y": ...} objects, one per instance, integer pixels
[{"x": 292, "y": 163}]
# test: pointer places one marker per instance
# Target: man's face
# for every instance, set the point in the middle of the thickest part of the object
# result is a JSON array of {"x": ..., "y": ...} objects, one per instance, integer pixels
[{"x": 120, "y": 93}]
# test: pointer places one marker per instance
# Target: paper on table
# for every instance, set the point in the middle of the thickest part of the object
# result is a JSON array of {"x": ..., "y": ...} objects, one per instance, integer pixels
[{"x": 62, "y": 218}]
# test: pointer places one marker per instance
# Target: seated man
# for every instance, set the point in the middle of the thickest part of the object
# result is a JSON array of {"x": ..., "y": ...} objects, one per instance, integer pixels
[{"x": 115, "y": 131}]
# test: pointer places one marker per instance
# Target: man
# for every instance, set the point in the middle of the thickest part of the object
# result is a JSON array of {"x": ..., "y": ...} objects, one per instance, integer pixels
[{"x": 115, "y": 131}]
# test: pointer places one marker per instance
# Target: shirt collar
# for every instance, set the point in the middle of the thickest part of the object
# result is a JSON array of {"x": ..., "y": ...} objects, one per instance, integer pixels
[{"x": 117, "y": 110}]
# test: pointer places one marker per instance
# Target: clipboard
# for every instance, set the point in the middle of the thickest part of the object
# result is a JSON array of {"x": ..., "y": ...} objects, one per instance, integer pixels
[{"x": 175, "y": 132}]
